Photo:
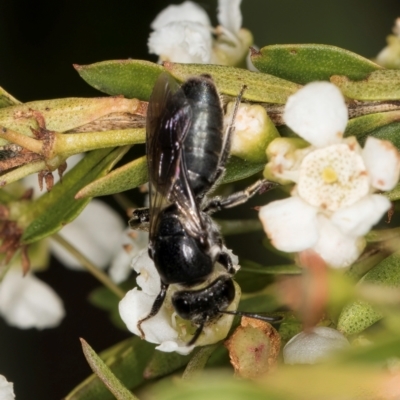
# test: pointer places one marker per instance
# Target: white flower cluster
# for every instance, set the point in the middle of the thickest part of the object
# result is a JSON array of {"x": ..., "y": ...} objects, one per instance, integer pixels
[
  {"x": 183, "y": 33},
  {"x": 98, "y": 233},
  {"x": 332, "y": 205}
]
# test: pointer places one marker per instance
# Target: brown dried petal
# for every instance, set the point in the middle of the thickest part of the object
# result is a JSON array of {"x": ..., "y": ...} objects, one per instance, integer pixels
[{"x": 253, "y": 348}]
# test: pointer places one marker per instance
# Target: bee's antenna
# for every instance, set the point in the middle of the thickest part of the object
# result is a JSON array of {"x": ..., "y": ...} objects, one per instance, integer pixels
[
  {"x": 265, "y": 318},
  {"x": 196, "y": 335}
]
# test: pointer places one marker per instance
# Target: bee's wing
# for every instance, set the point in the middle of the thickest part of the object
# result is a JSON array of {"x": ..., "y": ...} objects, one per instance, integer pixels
[{"x": 168, "y": 121}]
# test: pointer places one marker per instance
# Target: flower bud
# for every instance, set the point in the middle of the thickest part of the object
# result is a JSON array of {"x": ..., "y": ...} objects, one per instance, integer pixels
[
  {"x": 253, "y": 131},
  {"x": 284, "y": 155},
  {"x": 315, "y": 346}
]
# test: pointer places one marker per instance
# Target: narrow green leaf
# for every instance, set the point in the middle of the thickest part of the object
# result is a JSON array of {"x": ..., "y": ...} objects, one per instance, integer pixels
[
  {"x": 130, "y": 78},
  {"x": 198, "y": 362},
  {"x": 359, "y": 315},
  {"x": 379, "y": 352},
  {"x": 215, "y": 386},
  {"x": 238, "y": 169},
  {"x": 50, "y": 212},
  {"x": 389, "y": 132},
  {"x": 379, "y": 85},
  {"x": 129, "y": 176},
  {"x": 134, "y": 174},
  {"x": 362, "y": 126},
  {"x": 238, "y": 226},
  {"x": 112, "y": 383},
  {"x": 162, "y": 364},
  {"x": 303, "y": 63},
  {"x": 229, "y": 80},
  {"x": 126, "y": 360},
  {"x": 6, "y": 100}
]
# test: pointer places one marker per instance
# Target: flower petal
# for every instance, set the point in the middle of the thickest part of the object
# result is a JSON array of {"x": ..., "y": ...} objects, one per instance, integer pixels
[
  {"x": 137, "y": 305},
  {"x": 6, "y": 389},
  {"x": 170, "y": 346},
  {"x": 187, "y": 11},
  {"x": 182, "y": 41},
  {"x": 27, "y": 302},
  {"x": 337, "y": 249},
  {"x": 382, "y": 160},
  {"x": 358, "y": 219},
  {"x": 229, "y": 15},
  {"x": 310, "y": 348},
  {"x": 148, "y": 278},
  {"x": 318, "y": 113},
  {"x": 291, "y": 224},
  {"x": 96, "y": 233},
  {"x": 132, "y": 242}
]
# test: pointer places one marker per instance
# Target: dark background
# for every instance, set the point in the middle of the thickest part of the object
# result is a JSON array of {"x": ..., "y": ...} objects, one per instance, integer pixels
[{"x": 39, "y": 42}]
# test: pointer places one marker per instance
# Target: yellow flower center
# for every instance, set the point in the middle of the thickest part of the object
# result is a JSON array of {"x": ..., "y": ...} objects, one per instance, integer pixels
[{"x": 329, "y": 175}]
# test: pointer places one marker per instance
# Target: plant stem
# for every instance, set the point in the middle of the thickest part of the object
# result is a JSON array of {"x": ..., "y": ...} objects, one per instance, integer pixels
[
  {"x": 198, "y": 362},
  {"x": 22, "y": 140},
  {"x": 90, "y": 267}
]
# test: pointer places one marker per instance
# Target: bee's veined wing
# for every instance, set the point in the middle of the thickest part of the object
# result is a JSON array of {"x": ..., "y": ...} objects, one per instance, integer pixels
[{"x": 168, "y": 121}]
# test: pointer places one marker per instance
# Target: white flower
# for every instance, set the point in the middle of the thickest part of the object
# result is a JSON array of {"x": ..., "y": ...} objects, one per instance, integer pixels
[
  {"x": 27, "y": 302},
  {"x": 166, "y": 328},
  {"x": 96, "y": 233},
  {"x": 183, "y": 33},
  {"x": 332, "y": 206},
  {"x": 6, "y": 389},
  {"x": 315, "y": 346},
  {"x": 131, "y": 243}
]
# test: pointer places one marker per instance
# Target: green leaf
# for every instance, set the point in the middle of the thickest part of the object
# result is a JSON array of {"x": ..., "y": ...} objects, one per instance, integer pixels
[
  {"x": 363, "y": 126},
  {"x": 6, "y": 100},
  {"x": 50, "y": 212},
  {"x": 379, "y": 352},
  {"x": 162, "y": 364},
  {"x": 215, "y": 386},
  {"x": 238, "y": 226},
  {"x": 359, "y": 315},
  {"x": 303, "y": 63},
  {"x": 127, "y": 177},
  {"x": 130, "y": 78},
  {"x": 379, "y": 85},
  {"x": 112, "y": 383},
  {"x": 249, "y": 279},
  {"x": 238, "y": 169},
  {"x": 134, "y": 174},
  {"x": 389, "y": 132},
  {"x": 230, "y": 80},
  {"x": 126, "y": 360}
]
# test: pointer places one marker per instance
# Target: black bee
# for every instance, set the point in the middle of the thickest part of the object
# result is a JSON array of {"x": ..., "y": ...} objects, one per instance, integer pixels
[{"x": 186, "y": 155}]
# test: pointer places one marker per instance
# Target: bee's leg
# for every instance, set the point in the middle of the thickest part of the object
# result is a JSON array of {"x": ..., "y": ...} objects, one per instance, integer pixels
[
  {"x": 218, "y": 203},
  {"x": 140, "y": 219},
  {"x": 226, "y": 261},
  {"x": 226, "y": 145},
  {"x": 158, "y": 302}
]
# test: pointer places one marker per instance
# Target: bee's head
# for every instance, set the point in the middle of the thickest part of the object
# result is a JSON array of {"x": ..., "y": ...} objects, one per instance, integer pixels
[{"x": 204, "y": 305}]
